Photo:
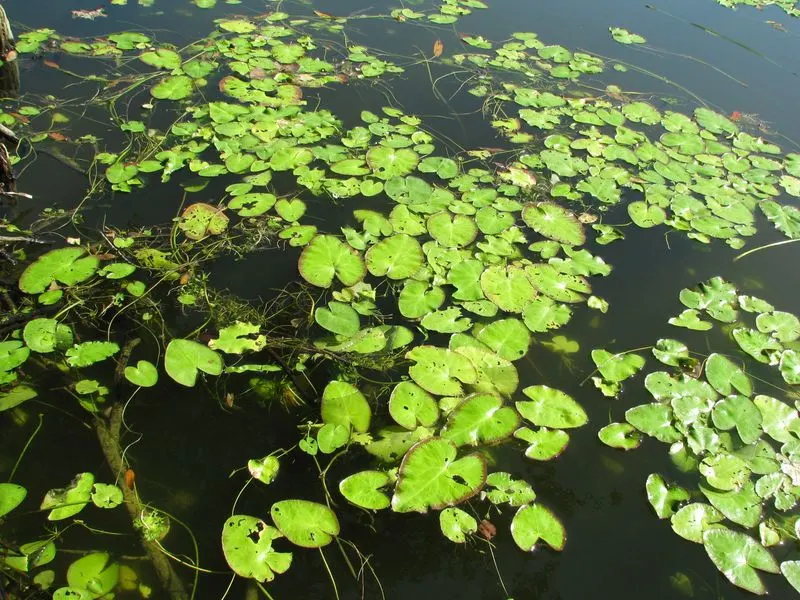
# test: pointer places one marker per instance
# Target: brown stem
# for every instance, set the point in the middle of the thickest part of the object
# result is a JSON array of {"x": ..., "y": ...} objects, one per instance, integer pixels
[{"x": 108, "y": 426}]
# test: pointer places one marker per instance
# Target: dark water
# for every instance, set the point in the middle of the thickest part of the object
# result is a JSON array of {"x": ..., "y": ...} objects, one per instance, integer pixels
[{"x": 616, "y": 547}]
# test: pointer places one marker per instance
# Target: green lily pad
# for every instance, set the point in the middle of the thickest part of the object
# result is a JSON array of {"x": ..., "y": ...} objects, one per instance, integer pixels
[
  {"x": 387, "y": 162},
  {"x": 440, "y": 371},
  {"x": 690, "y": 319},
  {"x": 543, "y": 444},
  {"x": 11, "y": 496},
  {"x": 737, "y": 556},
  {"x": 144, "y": 374},
  {"x": 411, "y": 406},
  {"x": 739, "y": 412},
  {"x": 791, "y": 570},
  {"x": 620, "y": 435},
  {"x": 105, "y": 495},
  {"x": 247, "y": 546},
  {"x": 331, "y": 437},
  {"x": 174, "y": 87},
  {"x": 671, "y": 352},
  {"x": 716, "y": 296},
  {"x": 790, "y": 367},
  {"x": 305, "y": 524},
  {"x": 162, "y": 58},
  {"x": 494, "y": 374},
  {"x": 480, "y": 419},
  {"x": 764, "y": 348},
  {"x": 783, "y": 326},
  {"x": 343, "y": 404},
  {"x": 264, "y": 469},
  {"x": 326, "y": 257},
  {"x": 663, "y": 497},
  {"x": 509, "y": 338},
  {"x": 554, "y": 222},
  {"x": 644, "y": 215},
  {"x": 89, "y": 353},
  {"x": 725, "y": 376},
  {"x": 507, "y": 489},
  {"x": 16, "y": 396},
  {"x": 617, "y": 367},
  {"x": 69, "y": 266},
  {"x": 95, "y": 572},
  {"x": 418, "y": 299},
  {"x": 508, "y": 287},
  {"x": 456, "y": 524},
  {"x": 623, "y": 36},
  {"x": 725, "y": 471},
  {"x": 339, "y": 318},
  {"x": 396, "y": 257},
  {"x": 431, "y": 477},
  {"x": 363, "y": 489},
  {"x": 692, "y": 520},
  {"x": 185, "y": 358},
  {"x": 46, "y": 335},
  {"x": 551, "y": 408},
  {"x": 452, "y": 231},
  {"x": 534, "y": 522},
  {"x": 543, "y": 314},
  {"x": 779, "y": 420},
  {"x": 742, "y": 506},
  {"x": 69, "y": 501},
  {"x": 449, "y": 320},
  {"x": 559, "y": 286},
  {"x": 200, "y": 220}
]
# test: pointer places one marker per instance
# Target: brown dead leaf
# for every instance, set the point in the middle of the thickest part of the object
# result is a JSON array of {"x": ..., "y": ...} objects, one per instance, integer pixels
[
  {"x": 324, "y": 15},
  {"x": 487, "y": 529},
  {"x": 55, "y": 135},
  {"x": 438, "y": 48}
]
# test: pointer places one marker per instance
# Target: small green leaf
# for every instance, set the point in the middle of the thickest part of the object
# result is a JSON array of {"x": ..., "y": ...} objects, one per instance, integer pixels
[
  {"x": 362, "y": 489},
  {"x": 534, "y": 522},
  {"x": 305, "y": 524},
  {"x": 185, "y": 358},
  {"x": 247, "y": 546},
  {"x": 456, "y": 524}
]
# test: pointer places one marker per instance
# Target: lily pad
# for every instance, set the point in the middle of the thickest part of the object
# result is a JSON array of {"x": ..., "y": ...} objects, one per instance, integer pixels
[
  {"x": 247, "y": 546},
  {"x": 431, "y": 477},
  {"x": 534, "y": 522},
  {"x": 440, "y": 371},
  {"x": 343, "y": 404},
  {"x": 509, "y": 338},
  {"x": 326, "y": 257},
  {"x": 551, "y": 408},
  {"x": 452, "y": 231},
  {"x": 96, "y": 572},
  {"x": 480, "y": 419},
  {"x": 11, "y": 496},
  {"x": 692, "y": 520},
  {"x": 456, "y": 524},
  {"x": 617, "y": 367},
  {"x": 339, "y": 318},
  {"x": 543, "y": 444},
  {"x": 554, "y": 222},
  {"x": 396, "y": 257},
  {"x": 185, "y": 358},
  {"x": 363, "y": 489},
  {"x": 663, "y": 497},
  {"x": 620, "y": 435},
  {"x": 46, "y": 335},
  {"x": 508, "y": 287},
  {"x": 69, "y": 266},
  {"x": 738, "y": 556},
  {"x": 305, "y": 524}
]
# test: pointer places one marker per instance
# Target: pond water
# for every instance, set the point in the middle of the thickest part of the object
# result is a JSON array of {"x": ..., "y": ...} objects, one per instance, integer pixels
[{"x": 189, "y": 446}]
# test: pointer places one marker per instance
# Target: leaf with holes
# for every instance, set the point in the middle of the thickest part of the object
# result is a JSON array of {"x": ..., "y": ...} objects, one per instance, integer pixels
[
  {"x": 456, "y": 524},
  {"x": 440, "y": 371},
  {"x": 431, "y": 477},
  {"x": 411, "y": 406},
  {"x": 247, "y": 546},
  {"x": 305, "y": 524}
]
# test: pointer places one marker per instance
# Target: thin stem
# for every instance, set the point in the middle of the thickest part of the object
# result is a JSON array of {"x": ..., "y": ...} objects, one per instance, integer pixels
[
  {"x": 764, "y": 247},
  {"x": 328, "y": 569},
  {"x": 25, "y": 448}
]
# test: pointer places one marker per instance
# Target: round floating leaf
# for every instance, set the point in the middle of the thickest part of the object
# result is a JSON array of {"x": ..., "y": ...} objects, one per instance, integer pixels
[
  {"x": 764, "y": 348},
  {"x": 779, "y": 420},
  {"x": 12, "y": 355},
  {"x": 690, "y": 319},
  {"x": 144, "y": 374},
  {"x": 440, "y": 371},
  {"x": 742, "y": 506},
  {"x": 506, "y": 489},
  {"x": 671, "y": 352},
  {"x": 480, "y": 419},
  {"x": 331, "y": 437},
  {"x": 508, "y": 287},
  {"x": 554, "y": 222},
  {"x": 494, "y": 374},
  {"x": 543, "y": 314},
  {"x": 175, "y": 87},
  {"x": 783, "y": 326},
  {"x": 662, "y": 497},
  {"x": 410, "y": 406},
  {"x": 692, "y": 520},
  {"x": 94, "y": 572},
  {"x": 69, "y": 266},
  {"x": 534, "y": 522},
  {"x": 33, "y": 555},
  {"x": 725, "y": 471},
  {"x": 739, "y": 412},
  {"x": 247, "y": 546},
  {"x": 265, "y": 469},
  {"x": 69, "y": 501},
  {"x": 623, "y": 36},
  {"x": 290, "y": 210},
  {"x": 16, "y": 396},
  {"x": 253, "y": 204},
  {"x": 544, "y": 444},
  {"x": 396, "y": 257},
  {"x": 456, "y": 524},
  {"x": 339, "y": 318},
  {"x": 737, "y": 556},
  {"x": 445, "y": 168},
  {"x": 305, "y": 524},
  {"x": 645, "y": 215},
  {"x": 452, "y": 231},
  {"x": 11, "y": 496},
  {"x": 327, "y": 256},
  {"x": 431, "y": 476},
  {"x": 617, "y": 367},
  {"x": 791, "y": 570},
  {"x": 45, "y": 335},
  {"x": 551, "y": 408},
  {"x": 343, "y": 404},
  {"x": 449, "y": 320},
  {"x": 162, "y": 58},
  {"x": 417, "y": 299},
  {"x": 559, "y": 286},
  {"x": 790, "y": 367},
  {"x": 184, "y": 358},
  {"x": 200, "y": 220},
  {"x": 388, "y": 162},
  {"x": 362, "y": 489},
  {"x": 725, "y": 376},
  {"x": 620, "y": 435},
  {"x": 105, "y": 495},
  {"x": 509, "y": 338},
  {"x": 716, "y": 296}
]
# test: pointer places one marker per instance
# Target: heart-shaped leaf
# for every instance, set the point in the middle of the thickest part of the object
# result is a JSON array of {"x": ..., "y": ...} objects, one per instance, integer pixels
[
  {"x": 362, "y": 489},
  {"x": 144, "y": 374},
  {"x": 247, "y": 546},
  {"x": 534, "y": 522},
  {"x": 305, "y": 524},
  {"x": 184, "y": 358}
]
